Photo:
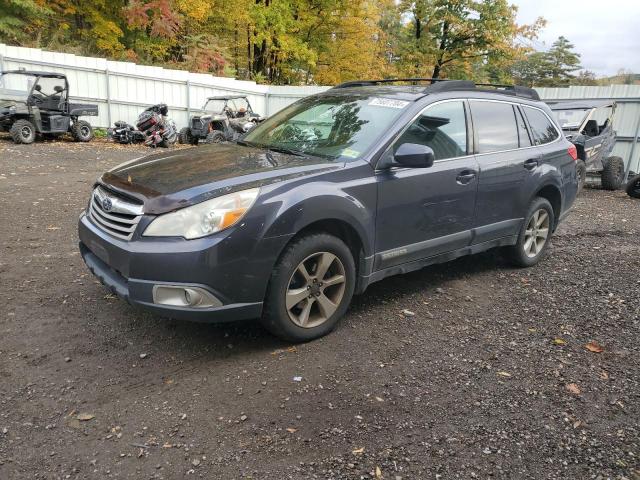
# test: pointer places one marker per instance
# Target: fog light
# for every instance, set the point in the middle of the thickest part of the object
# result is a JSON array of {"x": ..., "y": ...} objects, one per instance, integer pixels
[{"x": 178, "y": 296}]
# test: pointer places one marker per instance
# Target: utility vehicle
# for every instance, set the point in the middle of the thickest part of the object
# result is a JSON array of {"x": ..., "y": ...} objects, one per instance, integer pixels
[
  {"x": 225, "y": 118},
  {"x": 588, "y": 124},
  {"x": 33, "y": 102}
]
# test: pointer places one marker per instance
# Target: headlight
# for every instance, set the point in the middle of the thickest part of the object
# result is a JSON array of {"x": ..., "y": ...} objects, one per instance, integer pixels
[
  {"x": 204, "y": 218},
  {"x": 12, "y": 109}
]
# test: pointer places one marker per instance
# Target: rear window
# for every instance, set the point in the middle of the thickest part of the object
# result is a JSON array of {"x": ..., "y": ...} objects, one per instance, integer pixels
[
  {"x": 495, "y": 123},
  {"x": 542, "y": 128}
]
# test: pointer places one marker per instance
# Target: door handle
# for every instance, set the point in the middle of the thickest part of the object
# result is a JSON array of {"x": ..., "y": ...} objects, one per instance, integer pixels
[
  {"x": 465, "y": 177},
  {"x": 531, "y": 163}
]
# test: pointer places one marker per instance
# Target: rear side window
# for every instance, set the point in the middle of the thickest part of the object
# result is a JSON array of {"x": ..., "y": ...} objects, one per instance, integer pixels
[
  {"x": 541, "y": 127},
  {"x": 443, "y": 127},
  {"x": 495, "y": 124}
]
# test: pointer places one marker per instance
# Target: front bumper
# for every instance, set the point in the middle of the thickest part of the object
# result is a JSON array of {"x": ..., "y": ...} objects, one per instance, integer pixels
[{"x": 225, "y": 269}]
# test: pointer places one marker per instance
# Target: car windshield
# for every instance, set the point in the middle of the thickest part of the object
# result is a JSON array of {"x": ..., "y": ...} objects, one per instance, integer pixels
[
  {"x": 571, "y": 118},
  {"x": 214, "y": 106},
  {"x": 16, "y": 85},
  {"x": 328, "y": 126}
]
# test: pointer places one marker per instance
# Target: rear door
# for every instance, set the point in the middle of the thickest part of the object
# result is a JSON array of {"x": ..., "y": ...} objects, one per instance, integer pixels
[
  {"x": 423, "y": 212},
  {"x": 506, "y": 159}
]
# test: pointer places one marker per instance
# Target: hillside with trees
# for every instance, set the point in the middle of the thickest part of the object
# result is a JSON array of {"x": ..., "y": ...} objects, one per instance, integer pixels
[{"x": 301, "y": 41}]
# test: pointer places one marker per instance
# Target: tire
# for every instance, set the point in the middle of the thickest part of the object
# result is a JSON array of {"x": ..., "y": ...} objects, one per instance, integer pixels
[
  {"x": 23, "y": 131},
  {"x": 633, "y": 187},
  {"x": 612, "y": 175},
  {"x": 522, "y": 253},
  {"x": 312, "y": 317},
  {"x": 581, "y": 173},
  {"x": 184, "y": 137},
  {"x": 81, "y": 131},
  {"x": 215, "y": 137}
]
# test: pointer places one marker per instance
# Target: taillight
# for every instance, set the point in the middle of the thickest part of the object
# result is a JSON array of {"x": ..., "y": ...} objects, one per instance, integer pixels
[{"x": 573, "y": 152}]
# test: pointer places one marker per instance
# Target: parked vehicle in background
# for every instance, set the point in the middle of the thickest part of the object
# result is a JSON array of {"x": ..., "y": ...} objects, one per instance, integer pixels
[
  {"x": 158, "y": 128},
  {"x": 633, "y": 186},
  {"x": 34, "y": 103},
  {"x": 335, "y": 192},
  {"x": 588, "y": 124},
  {"x": 225, "y": 118},
  {"x": 122, "y": 132}
]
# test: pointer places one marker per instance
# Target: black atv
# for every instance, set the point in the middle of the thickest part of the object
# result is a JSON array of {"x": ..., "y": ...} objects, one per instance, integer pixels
[
  {"x": 38, "y": 103},
  {"x": 225, "y": 118},
  {"x": 588, "y": 124},
  {"x": 633, "y": 185}
]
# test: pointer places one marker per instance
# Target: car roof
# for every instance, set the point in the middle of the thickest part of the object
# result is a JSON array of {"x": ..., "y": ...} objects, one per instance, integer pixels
[
  {"x": 580, "y": 104},
  {"x": 37, "y": 73},
  {"x": 416, "y": 88}
]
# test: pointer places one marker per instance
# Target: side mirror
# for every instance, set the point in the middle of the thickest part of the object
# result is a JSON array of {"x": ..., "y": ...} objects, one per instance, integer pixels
[{"x": 414, "y": 155}]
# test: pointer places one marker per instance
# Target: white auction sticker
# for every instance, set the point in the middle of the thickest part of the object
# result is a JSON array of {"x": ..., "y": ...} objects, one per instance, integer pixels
[{"x": 388, "y": 102}]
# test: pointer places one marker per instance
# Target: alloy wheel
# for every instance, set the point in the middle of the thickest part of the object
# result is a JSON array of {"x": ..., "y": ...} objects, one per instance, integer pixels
[
  {"x": 315, "y": 289},
  {"x": 85, "y": 131},
  {"x": 26, "y": 132},
  {"x": 536, "y": 233}
]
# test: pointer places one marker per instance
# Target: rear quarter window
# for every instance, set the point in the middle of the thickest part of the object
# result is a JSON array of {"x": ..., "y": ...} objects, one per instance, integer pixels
[{"x": 542, "y": 128}]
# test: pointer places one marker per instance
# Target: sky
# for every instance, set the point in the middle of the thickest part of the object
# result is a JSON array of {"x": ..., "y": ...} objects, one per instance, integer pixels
[{"x": 606, "y": 33}]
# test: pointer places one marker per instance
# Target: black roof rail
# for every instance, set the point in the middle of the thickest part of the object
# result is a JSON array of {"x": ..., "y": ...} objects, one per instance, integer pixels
[{"x": 445, "y": 85}]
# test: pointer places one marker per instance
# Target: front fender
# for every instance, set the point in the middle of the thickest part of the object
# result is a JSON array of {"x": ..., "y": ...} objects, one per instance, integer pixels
[{"x": 348, "y": 195}]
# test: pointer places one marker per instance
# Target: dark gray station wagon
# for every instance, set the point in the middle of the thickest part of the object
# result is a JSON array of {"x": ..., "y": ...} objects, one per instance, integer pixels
[{"x": 366, "y": 180}]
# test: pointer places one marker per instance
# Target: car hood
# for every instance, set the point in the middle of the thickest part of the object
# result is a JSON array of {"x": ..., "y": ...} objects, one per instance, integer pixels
[{"x": 171, "y": 180}]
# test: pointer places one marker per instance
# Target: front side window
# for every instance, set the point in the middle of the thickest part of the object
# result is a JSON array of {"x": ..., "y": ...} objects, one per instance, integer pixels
[
  {"x": 495, "y": 124},
  {"x": 543, "y": 130},
  {"x": 443, "y": 127},
  {"x": 332, "y": 126}
]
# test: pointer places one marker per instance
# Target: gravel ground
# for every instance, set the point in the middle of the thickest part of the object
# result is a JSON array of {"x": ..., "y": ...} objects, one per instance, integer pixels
[{"x": 490, "y": 377}]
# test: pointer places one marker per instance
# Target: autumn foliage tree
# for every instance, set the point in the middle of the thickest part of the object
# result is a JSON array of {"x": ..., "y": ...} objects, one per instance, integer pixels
[{"x": 283, "y": 41}]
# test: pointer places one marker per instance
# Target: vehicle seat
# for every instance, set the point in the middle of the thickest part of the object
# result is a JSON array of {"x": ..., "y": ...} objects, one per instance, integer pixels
[
  {"x": 604, "y": 126},
  {"x": 591, "y": 129}
]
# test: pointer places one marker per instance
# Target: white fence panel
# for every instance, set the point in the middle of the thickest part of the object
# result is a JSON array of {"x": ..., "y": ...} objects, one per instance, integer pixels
[{"x": 123, "y": 89}]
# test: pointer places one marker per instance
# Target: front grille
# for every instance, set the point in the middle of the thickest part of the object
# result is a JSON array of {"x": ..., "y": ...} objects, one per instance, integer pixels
[{"x": 113, "y": 214}]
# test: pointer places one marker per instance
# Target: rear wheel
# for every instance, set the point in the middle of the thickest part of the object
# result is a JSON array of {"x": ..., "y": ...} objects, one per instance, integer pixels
[
  {"x": 633, "y": 187},
  {"x": 535, "y": 234},
  {"x": 612, "y": 175},
  {"x": 81, "y": 131},
  {"x": 581, "y": 173},
  {"x": 23, "y": 131},
  {"x": 310, "y": 288}
]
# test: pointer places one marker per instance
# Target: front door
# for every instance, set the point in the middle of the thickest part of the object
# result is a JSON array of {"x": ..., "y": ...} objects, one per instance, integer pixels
[{"x": 424, "y": 212}]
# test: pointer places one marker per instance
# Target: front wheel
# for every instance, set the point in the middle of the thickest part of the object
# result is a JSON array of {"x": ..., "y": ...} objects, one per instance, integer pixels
[
  {"x": 23, "y": 131},
  {"x": 81, "y": 131},
  {"x": 633, "y": 187},
  {"x": 215, "y": 137},
  {"x": 535, "y": 234},
  {"x": 310, "y": 288}
]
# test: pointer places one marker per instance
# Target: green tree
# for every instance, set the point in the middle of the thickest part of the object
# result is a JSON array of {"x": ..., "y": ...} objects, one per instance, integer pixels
[
  {"x": 562, "y": 62},
  {"x": 20, "y": 19}
]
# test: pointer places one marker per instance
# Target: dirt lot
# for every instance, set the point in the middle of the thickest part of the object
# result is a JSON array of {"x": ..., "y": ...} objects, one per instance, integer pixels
[{"x": 490, "y": 378}]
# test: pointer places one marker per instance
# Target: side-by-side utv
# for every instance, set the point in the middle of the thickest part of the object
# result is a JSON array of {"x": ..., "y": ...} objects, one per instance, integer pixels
[
  {"x": 588, "y": 124},
  {"x": 34, "y": 103}
]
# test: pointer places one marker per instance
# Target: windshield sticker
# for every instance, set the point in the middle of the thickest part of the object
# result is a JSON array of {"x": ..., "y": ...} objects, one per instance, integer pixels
[
  {"x": 389, "y": 103},
  {"x": 347, "y": 152}
]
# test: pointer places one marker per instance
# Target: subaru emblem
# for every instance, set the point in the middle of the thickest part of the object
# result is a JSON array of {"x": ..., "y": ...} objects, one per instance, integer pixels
[{"x": 107, "y": 204}]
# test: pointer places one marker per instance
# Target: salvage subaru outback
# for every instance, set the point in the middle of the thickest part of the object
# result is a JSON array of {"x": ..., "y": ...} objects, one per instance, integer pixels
[{"x": 341, "y": 189}]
